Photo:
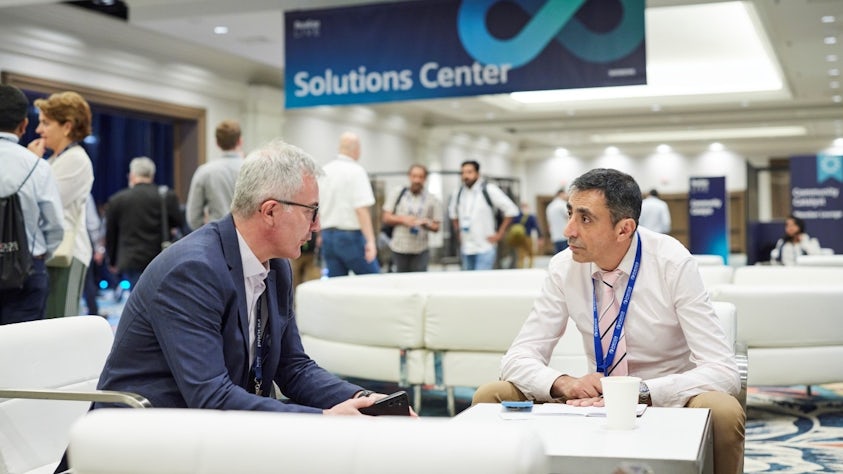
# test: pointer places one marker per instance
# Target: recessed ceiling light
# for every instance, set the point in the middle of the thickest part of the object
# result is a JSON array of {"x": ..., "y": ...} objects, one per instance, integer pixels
[
  {"x": 827, "y": 19},
  {"x": 837, "y": 99},
  {"x": 834, "y": 84},
  {"x": 830, "y": 40},
  {"x": 561, "y": 152},
  {"x": 831, "y": 58},
  {"x": 612, "y": 150},
  {"x": 656, "y": 107},
  {"x": 834, "y": 72},
  {"x": 838, "y": 142},
  {"x": 664, "y": 148},
  {"x": 220, "y": 30},
  {"x": 716, "y": 146},
  {"x": 701, "y": 134}
]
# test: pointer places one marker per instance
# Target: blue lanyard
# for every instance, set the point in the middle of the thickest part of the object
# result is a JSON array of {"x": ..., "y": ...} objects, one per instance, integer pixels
[
  {"x": 258, "y": 348},
  {"x": 605, "y": 364}
]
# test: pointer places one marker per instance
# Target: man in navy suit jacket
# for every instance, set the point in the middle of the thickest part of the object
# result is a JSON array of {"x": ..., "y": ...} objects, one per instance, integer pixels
[{"x": 199, "y": 321}]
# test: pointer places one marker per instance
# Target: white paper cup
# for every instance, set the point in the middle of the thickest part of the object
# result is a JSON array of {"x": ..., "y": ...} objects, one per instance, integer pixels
[{"x": 621, "y": 397}]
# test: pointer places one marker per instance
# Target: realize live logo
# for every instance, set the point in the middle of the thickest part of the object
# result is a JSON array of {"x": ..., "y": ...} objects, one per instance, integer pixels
[{"x": 306, "y": 28}]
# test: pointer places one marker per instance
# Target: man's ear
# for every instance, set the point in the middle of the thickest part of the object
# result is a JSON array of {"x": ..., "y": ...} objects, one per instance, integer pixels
[{"x": 627, "y": 227}]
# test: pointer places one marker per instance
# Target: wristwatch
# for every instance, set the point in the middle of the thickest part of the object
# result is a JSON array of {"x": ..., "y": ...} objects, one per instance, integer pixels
[{"x": 644, "y": 394}]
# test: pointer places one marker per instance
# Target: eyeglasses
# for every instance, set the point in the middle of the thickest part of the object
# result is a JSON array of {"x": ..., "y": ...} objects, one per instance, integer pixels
[{"x": 313, "y": 209}]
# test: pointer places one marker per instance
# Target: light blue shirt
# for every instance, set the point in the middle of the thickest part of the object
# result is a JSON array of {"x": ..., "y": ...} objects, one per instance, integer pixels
[{"x": 40, "y": 201}]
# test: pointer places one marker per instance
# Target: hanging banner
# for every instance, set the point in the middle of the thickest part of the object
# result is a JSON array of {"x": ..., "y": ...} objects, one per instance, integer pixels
[
  {"x": 815, "y": 197},
  {"x": 445, "y": 48},
  {"x": 708, "y": 222}
]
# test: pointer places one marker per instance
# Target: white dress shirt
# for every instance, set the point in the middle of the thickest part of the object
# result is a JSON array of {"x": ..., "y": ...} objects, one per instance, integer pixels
[
  {"x": 655, "y": 215},
  {"x": 254, "y": 276},
  {"x": 343, "y": 188},
  {"x": 475, "y": 215},
  {"x": 557, "y": 219},
  {"x": 75, "y": 176},
  {"x": 674, "y": 339}
]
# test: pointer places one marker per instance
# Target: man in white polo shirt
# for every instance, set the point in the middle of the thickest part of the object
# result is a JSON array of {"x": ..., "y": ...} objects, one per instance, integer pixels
[{"x": 345, "y": 196}]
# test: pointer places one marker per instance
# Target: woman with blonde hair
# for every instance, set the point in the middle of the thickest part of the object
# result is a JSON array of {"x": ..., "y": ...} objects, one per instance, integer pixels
[{"x": 64, "y": 120}]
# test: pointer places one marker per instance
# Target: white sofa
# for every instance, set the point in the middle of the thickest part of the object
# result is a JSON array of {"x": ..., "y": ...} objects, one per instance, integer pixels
[
  {"x": 181, "y": 441},
  {"x": 787, "y": 276},
  {"x": 444, "y": 328},
  {"x": 831, "y": 260},
  {"x": 793, "y": 335},
  {"x": 48, "y": 372}
]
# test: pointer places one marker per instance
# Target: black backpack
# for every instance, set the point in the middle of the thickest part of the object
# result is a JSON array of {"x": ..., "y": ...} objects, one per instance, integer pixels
[
  {"x": 386, "y": 228},
  {"x": 15, "y": 254}
]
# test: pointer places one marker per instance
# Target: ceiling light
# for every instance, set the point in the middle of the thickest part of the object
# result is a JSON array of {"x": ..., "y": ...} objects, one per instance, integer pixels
[
  {"x": 831, "y": 58},
  {"x": 834, "y": 84},
  {"x": 704, "y": 134},
  {"x": 834, "y": 72},
  {"x": 561, "y": 152},
  {"x": 655, "y": 107},
  {"x": 220, "y": 30},
  {"x": 612, "y": 150},
  {"x": 716, "y": 146},
  {"x": 837, "y": 143},
  {"x": 827, "y": 19},
  {"x": 830, "y": 40},
  {"x": 837, "y": 99},
  {"x": 663, "y": 148}
]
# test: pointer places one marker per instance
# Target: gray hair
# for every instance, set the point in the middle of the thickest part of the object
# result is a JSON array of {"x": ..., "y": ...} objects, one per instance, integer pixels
[
  {"x": 142, "y": 167},
  {"x": 275, "y": 170}
]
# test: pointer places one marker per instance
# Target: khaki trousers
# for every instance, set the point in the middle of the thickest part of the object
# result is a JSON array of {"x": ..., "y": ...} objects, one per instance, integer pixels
[{"x": 728, "y": 421}]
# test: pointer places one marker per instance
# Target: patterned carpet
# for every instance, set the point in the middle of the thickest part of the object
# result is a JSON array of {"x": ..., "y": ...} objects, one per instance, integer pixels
[{"x": 790, "y": 432}]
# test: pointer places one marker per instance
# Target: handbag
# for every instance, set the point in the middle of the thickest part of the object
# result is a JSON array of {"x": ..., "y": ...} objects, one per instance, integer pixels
[{"x": 63, "y": 255}]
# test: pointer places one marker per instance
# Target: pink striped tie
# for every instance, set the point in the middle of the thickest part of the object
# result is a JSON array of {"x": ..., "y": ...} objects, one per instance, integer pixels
[{"x": 608, "y": 318}]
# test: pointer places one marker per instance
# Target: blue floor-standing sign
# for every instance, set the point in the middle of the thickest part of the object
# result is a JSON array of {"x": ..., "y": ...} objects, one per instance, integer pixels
[
  {"x": 708, "y": 221},
  {"x": 816, "y": 182}
]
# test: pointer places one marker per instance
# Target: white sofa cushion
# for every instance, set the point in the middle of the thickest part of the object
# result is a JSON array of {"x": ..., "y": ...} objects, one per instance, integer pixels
[
  {"x": 787, "y": 276},
  {"x": 222, "y": 442},
  {"x": 786, "y": 317}
]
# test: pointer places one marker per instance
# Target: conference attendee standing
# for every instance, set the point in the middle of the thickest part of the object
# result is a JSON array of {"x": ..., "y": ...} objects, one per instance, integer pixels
[
  {"x": 135, "y": 228},
  {"x": 414, "y": 213},
  {"x": 345, "y": 197},
  {"x": 64, "y": 120},
  {"x": 638, "y": 295},
  {"x": 32, "y": 179},
  {"x": 655, "y": 215},
  {"x": 212, "y": 185},
  {"x": 472, "y": 210},
  {"x": 556, "y": 213}
]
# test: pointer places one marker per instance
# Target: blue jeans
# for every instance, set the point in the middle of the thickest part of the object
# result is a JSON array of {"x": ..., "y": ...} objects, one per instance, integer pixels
[
  {"x": 479, "y": 261},
  {"x": 29, "y": 302},
  {"x": 344, "y": 251}
]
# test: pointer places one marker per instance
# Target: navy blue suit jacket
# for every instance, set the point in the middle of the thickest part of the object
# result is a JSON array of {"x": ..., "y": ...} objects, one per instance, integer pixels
[{"x": 183, "y": 337}]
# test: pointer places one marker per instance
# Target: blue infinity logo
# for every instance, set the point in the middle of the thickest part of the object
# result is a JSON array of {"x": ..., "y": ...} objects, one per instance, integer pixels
[{"x": 551, "y": 19}]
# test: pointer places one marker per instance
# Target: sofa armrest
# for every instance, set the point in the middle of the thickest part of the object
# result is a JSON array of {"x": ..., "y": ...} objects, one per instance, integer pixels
[{"x": 103, "y": 396}]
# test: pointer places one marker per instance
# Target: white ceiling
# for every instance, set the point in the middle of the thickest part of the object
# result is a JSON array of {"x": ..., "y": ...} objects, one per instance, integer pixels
[{"x": 777, "y": 76}]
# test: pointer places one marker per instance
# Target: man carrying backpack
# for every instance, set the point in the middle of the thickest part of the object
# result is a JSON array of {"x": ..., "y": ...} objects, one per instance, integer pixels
[
  {"x": 27, "y": 184},
  {"x": 472, "y": 210}
]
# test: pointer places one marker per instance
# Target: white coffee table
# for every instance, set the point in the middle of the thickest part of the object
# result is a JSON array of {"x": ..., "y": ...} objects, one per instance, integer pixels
[{"x": 674, "y": 440}]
